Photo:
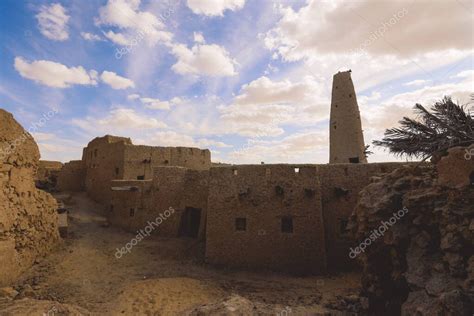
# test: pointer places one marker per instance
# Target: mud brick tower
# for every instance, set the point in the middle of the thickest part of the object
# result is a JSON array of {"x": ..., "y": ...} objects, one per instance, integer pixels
[{"x": 346, "y": 144}]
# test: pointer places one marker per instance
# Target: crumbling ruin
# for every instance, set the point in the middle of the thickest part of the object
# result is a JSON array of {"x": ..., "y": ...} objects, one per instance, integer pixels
[
  {"x": 47, "y": 174},
  {"x": 28, "y": 219},
  {"x": 424, "y": 264},
  {"x": 240, "y": 211}
]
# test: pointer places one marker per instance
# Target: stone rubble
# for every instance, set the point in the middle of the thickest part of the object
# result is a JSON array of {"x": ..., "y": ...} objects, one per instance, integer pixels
[{"x": 424, "y": 263}]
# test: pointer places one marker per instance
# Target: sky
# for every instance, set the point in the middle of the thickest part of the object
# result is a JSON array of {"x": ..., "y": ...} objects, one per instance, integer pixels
[{"x": 249, "y": 79}]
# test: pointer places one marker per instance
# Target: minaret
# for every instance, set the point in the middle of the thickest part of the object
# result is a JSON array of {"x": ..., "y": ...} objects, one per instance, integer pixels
[{"x": 346, "y": 140}]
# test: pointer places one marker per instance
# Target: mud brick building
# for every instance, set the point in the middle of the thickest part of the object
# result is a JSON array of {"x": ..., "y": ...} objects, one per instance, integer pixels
[
  {"x": 116, "y": 158},
  {"x": 281, "y": 217}
]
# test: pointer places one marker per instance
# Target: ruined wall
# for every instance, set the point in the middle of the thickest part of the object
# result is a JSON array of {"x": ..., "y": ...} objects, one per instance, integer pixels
[
  {"x": 172, "y": 187},
  {"x": 45, "y": 168},
  {"x": 103, "y": 159},
  {"x": 456, "y": 169},
  {"x": 424, "y": 262},
  {"x": 140, "y": 161},
  {"x": 345, "y": 128},
  {"x": 28, "y": 218},
  {"x": 266, "y": 216},
  {"x": 72, "y": 176},
  {"x": 130, "y": 208},
  {"x": 116, "y": 158},
  {"x": 192, "y": 158},
  {"x": 341, "y": 184}
]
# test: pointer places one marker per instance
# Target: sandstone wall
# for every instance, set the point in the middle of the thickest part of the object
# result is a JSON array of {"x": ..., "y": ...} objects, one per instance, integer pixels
[
  {"x": 72, "y": 176},
  {"x": 115, "y": 158},
  {"x": 45, "y": 168},
  {"x": 340, "y": 185},
  {"x": 176, "y": 187},
  {"x": 132, "y": 208},
  {"x": 104, "y": 160},
  {"x": 28, "y": 218},
  {"x": 267, "y": 198}
]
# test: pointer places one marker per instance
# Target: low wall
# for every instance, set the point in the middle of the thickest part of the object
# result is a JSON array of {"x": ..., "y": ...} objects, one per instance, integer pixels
[{"x": 72, "y": 176}]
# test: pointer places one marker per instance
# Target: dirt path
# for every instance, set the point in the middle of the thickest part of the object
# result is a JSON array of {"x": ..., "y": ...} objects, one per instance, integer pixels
[{"x": 159, "y": 277}]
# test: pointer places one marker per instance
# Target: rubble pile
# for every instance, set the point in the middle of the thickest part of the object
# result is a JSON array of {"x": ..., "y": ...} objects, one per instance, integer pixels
[
  {"x": 28, "y": 219},
  {"x": 424, "y": 263}
]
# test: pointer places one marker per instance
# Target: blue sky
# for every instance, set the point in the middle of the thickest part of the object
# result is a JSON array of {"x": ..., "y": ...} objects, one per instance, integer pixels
[{"x": 249, "y": 79}]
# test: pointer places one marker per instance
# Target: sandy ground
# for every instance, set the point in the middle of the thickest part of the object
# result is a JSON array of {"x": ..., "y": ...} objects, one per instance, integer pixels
[{"x": 159, "y": 277}]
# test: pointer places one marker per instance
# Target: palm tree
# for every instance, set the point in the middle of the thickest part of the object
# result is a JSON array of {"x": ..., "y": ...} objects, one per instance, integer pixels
[{"x": 447, "y": 125}]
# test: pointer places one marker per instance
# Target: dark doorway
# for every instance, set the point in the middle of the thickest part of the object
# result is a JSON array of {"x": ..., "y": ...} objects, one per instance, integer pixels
[{"x": 190, "y": 222}]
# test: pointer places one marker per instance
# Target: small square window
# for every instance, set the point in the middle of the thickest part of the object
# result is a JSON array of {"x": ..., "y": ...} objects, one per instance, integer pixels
[
  {"x": 268, "y": 172},
  {"x": 354, "y": 160},
  {"x": 236, "y": 172},
  {"x": 241, "y": 224},
  {"x": 287, "y": 225},
  {"x": 297, "y": 170},
  {"x": 141, "y": 178},
  {"x": 132, "y": 212}
]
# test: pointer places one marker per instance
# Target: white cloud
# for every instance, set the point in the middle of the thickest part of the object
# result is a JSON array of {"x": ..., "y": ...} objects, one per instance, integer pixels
[
  {"x": 117, "y": 38},
  {"x": 115, "y": 81},
  {"x": 172, "y": 138},
  {"x": 133, "y": 96},
  {"x": 125, "y": 14},
  {"x": 386, "y": 28},
  {"x": 203, "y": 60},
  {"x": 214, "y": 7},
  {"x": 91, "y": 37},
  {"x": 263, "y": 105},
  {"x": 204, "y": 142},
  {"x": 301, "y": 147},
  {"x": 52, "y": 22},
  {"x": 155, "y": 104},
  {"x": 199, "y": 38},
  {"x": 418, "y": 82},
  {"x": 54, "y": 74},
  {"x": 118, "y": 121}
]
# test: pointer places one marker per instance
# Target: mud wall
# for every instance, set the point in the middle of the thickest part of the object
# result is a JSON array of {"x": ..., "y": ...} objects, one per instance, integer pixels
[
  {"x": 131, "y": 204},
  {"x": 266, "y": 217},
  {"x": 115, "y": 158},
  {"x": 28, "y": 218},
  {"x": 45, "y": 168},
  {"x": 72, "y": 176},
  {"x": 137, "y": 202},
  {"x": 103, "y": 159},
  {"x": 340, "y": 185}
]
